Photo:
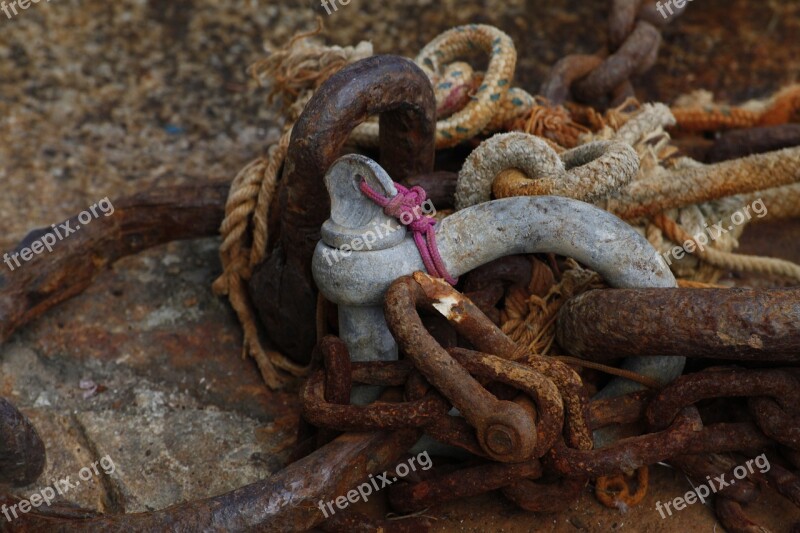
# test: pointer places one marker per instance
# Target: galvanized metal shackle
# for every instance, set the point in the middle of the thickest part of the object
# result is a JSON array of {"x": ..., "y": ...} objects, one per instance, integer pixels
[{"x": 468, "y": 239}]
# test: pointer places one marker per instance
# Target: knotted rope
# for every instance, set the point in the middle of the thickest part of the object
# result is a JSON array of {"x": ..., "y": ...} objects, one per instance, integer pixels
[
  {"x": 294, "y": 72},
  {"x": 529, "y": 318},
  {"x": 406, "y": 206},
  {"x": 517, "y": 164}
]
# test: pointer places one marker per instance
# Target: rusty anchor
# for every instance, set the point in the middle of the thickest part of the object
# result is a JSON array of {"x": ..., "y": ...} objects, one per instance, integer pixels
[{"x": 390, "y": 86}]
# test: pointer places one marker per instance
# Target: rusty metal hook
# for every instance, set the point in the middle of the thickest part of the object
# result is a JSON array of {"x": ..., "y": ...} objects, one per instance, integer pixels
[
  {"x": 505, "y": 429},
  {"x": 390, "y": 86}
]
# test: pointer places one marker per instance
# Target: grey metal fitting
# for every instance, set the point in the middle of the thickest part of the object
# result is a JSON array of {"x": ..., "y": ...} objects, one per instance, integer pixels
[{"x": 355, "y": 275}]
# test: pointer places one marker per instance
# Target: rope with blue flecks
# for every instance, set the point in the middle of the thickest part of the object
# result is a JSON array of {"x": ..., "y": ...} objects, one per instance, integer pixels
[{"x": 468, "y": 103}]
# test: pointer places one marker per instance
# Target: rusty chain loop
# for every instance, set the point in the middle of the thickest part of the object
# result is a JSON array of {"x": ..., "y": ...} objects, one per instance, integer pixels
[
  {"x": 501, "y": 425},
  {"x": 634, "y": 40}
]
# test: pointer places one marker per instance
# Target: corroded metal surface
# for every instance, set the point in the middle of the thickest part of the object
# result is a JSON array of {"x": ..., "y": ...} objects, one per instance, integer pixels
[
  {"x": 545, "y": 498},
  {"x": 691, "y": 388},
  {"x": 477, "y": 235},
  {"x": 287, "y": 501},
  {"x": 79, "y": 150},
  {"x": 504, "y": 428},
  {"x": 138, "y": 222},
  {"x": 759, "y": 325},
  {"x": 628, "y": 454},
  {"x": 22, "y": 454},
  {"x": 463, "y": 483}
]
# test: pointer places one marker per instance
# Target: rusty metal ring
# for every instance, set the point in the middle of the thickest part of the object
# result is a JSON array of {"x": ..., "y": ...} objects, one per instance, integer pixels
[
  {"x": 378, "y": 415},
  {"x": 636, "y": 55},
  {"x": 627, "y": 454},
  {"x": 450, "y": 430},
  {"x": 463, "y": 483},
  {"x": 776, "y": 422}
]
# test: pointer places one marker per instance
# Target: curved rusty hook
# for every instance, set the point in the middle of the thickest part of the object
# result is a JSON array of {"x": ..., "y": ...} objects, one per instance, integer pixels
[
  {"x": 505, "y": 429},
  {"x": 390, "y": 86}
]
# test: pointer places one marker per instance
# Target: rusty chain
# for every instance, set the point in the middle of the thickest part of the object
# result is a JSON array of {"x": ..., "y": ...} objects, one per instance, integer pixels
[
  {"x": 560, "y": 449},
  {"x": 633, "y": 43}
]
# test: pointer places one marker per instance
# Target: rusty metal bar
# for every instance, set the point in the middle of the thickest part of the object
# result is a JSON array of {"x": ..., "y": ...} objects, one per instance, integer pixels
[
  {"x": 287, "y": 501},
  {"x": 747, "y": 324}
]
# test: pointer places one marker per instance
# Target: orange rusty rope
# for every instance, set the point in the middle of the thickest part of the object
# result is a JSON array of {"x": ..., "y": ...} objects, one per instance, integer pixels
[{"x": 782, "y": 108}]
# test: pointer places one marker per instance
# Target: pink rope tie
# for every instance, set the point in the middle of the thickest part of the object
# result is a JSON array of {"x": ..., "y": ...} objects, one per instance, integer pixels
[{"x": 406, "y": 207}]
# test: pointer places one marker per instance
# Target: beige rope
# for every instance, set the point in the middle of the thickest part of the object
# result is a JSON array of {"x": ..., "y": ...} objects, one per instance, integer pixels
[
  {"x": 695, "y": 183},
  {"x": 481, "y": 103},
  {"x": 782, "y": 202},
  {"x": 587, "y": 172},
  {"x": 492, "y": 104},
  {"x": 253, "y": 187},
  {"x": 727, "y": 260}
]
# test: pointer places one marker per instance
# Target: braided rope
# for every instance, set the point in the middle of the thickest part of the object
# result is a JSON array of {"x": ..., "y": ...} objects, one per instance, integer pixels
[
  {"x": 783, "y": 202},
  {"x": 694, "y": 183},
  {"x": 588, "y": 172},
  {"x": 295, "y": 71},
  {"x": 478, "y": 113},
  {"x": 553, "y": 123},
  {"x": 491, "y": 105},
  {"x": 254, "y": 186},
  {"x": 495, "y": 167},
  {"x": 471, "y": 103},
  {"x": 529, "y": 319},
  {"x": 727, "y": 260}
]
